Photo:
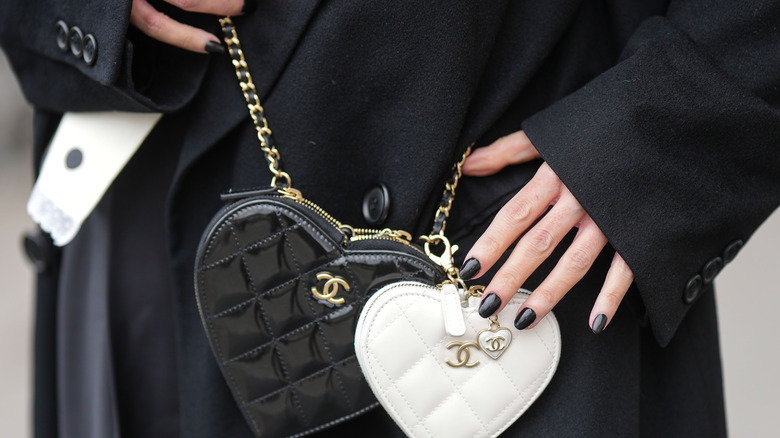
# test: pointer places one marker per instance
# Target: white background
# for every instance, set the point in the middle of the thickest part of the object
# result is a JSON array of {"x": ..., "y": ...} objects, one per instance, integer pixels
[{"x": 747, "y": 291}]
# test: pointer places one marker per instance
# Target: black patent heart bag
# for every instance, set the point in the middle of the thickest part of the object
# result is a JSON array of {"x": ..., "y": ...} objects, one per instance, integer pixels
[{"x": 280, "y": 284}]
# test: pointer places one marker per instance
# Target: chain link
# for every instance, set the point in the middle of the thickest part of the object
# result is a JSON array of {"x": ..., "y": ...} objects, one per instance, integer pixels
[
  {"x": 280, "y": 178},
  {"x": 443, "y": 212}
]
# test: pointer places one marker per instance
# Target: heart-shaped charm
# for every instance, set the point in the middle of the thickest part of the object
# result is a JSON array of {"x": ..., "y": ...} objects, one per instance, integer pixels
[
  {"x": 279, "y": 292},
  {"x": 494, "y": 340},
  {"x": 436, "y": 385}
]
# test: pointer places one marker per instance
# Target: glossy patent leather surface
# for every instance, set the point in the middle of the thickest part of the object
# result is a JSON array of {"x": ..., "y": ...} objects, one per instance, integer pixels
[{"x": 279, "y": 295}]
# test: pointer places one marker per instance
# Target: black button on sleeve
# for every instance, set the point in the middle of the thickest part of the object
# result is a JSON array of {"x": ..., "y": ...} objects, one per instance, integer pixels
[
  {"x": 76, "y": 38},
  {"x": 732, "y": 250},
  {"x": 90, "y": 49},
  {"x": 376, "y": 205},
  {"x": 62, "y": 36},
  {"x": 711, "y": 269},
  {"x": 692, "y": 289},
  {"x": 36, "y": 249}
]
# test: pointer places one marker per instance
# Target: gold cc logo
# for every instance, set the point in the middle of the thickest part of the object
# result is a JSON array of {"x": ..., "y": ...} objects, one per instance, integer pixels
[
  {"x": 330, "y": 288},
  {"x": 496, "y": 343},
  {"x": 462, "y": 354}
]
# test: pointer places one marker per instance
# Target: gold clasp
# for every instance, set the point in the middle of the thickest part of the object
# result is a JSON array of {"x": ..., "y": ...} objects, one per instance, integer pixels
[{"x": 445, "y": 260}]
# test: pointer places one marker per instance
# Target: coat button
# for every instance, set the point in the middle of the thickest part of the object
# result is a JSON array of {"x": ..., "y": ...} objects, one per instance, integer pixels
[
  {"x": 732, "y": 250},
  {"x": 376, "y": 205},
  {"x": 692, "y": 289},
  {"x": 76, "y": 38},
  {"x": 35, "y": 248},
  {"x": 62, "y": 36},
  {"x": 90, "y": 49},
  {"x": 711, "y": 269}
]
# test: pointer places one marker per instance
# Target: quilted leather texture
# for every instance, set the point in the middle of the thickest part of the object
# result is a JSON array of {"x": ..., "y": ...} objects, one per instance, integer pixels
[
  {"x": 401, "y": 345},
  {"x": 288, "y": 356}
]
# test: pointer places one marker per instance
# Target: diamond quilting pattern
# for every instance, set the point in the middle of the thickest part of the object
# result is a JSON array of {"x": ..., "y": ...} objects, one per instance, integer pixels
[
  {"x": 288, "y": 356},
  {"x": 427, "y": 397}
]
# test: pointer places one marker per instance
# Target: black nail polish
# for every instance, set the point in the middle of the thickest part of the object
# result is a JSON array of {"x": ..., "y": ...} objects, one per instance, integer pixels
[
  {"x": 470, "y": 268},
  {"x": 599, "y": 323},
  {"x": 249, "y": 6},
  {"x": 525, "y": 318},
  {"x": 489, "y": 305},
  {"x": 214, "y": 47}
]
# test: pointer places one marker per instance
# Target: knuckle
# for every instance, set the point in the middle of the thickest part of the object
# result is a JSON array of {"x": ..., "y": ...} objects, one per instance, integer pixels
[
  {"x": 540, "y": 241},
  {"x": 579, "y": 260},
  {"x": 502, "y": 142},
  {"x": 152, "y": 21},
  {"x": 518, "y": 210},
  {"x": 612, "y": 298},
  {"x": 492, "y": 244}
]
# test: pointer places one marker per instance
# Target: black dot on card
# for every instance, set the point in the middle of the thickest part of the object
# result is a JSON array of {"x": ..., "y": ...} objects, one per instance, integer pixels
[{"x": 74, "y": 158}]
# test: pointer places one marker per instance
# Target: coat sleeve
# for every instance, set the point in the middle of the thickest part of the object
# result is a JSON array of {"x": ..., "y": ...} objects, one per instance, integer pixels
[
  {"x": 121, "y": 69},
  {"x": 674, "y": 151}
]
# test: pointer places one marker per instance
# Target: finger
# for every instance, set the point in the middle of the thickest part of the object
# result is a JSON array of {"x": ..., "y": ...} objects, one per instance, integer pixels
[
  {"x": 159, "y": 26},
  {"x": 569, "y": 270},
  {"x": 532, "y": 250},
  {"x": 511, "y": 221},
  {"x": 513, "y": 149},
  {"x": 216, "y": 7},
  {"x": 617, "y": 283}
]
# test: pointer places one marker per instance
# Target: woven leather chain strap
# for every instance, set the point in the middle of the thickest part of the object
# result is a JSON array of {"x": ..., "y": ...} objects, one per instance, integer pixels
[{"x": 282, "y": 179}]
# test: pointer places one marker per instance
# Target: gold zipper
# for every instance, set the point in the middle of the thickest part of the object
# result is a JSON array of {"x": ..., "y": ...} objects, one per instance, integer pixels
[
  {"x": 352, "y": 234},
  {"x": 296, "y": 196}
]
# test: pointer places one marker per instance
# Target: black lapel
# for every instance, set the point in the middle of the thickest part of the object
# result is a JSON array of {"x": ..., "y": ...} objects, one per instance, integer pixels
[
  {"x": 268, "y": 37},
  {"x": 518, "y": 52}
]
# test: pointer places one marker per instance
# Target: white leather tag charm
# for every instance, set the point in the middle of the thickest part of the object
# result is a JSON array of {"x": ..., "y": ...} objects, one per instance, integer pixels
[
  {"x": 434, "y": 384},
  {"x": 452, "y": 310}
]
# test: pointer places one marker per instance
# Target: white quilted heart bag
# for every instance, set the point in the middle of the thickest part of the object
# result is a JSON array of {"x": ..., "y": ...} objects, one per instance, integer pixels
[{"x": 441, "y": 370}]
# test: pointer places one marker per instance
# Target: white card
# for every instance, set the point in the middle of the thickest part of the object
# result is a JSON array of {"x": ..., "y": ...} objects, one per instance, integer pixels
[{"x": 86, "y": 154}]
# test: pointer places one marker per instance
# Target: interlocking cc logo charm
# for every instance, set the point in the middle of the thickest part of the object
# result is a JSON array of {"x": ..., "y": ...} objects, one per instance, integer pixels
[
  {"x": 462, "y": 354},
  {"x": 495, "y": 339},
  {"x": 494, "y": 343},
  {"x": 330, "y": 288}
]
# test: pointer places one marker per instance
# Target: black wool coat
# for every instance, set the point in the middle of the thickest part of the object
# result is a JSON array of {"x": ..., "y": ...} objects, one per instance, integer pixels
[{"x": 661, "y": 117}]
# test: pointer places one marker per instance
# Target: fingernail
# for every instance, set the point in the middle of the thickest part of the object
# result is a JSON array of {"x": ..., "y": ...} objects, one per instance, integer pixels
[
  {"x": 249, "y": 6},
  {"x": 525, "y": 318},
  {"x": 599, "y": 323},
  {"x": 489, "y": 305},
  {"x": 214, "y": 47},
  {"x": 470, "y": 268}
]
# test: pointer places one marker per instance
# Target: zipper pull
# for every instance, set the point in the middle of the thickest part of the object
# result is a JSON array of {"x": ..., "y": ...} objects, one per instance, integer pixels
[
  {"x": 291, "y": 193},
  {"x": 452, "y": 310},
  {"x": 398, "y": 234}
]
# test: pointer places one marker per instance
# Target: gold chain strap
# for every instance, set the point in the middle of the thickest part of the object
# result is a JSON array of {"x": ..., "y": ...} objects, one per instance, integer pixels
[
  {"x": 282, "y": 180},
  {"x": 256, "y": 110},
  {"x": 443, "y": 212}
]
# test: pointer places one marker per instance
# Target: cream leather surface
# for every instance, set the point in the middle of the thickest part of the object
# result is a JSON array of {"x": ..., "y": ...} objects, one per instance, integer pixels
[{"x": 402, "y": 347}]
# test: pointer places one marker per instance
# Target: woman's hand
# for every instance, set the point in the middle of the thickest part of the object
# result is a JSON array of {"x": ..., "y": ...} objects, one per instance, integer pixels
[
  {"x": 167, "y": 30},
  {"x": 544, "y": 190}
]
